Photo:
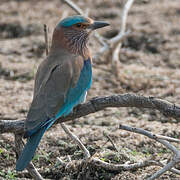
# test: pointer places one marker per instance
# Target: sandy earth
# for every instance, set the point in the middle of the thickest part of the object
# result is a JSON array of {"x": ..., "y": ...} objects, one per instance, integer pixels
[{"x": 150, "y": 62}]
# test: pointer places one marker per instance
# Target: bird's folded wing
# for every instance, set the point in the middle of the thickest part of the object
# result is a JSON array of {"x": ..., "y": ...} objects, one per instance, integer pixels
[{"x": 50, "y": 96}]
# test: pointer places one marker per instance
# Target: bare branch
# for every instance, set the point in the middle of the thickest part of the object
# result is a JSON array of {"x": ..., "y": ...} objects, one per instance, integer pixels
[
  {"x": 119, "y": 167},
  {"x": 100, "y": 103},
  {"x": 151, "y": 136},
  {"x": 76, "y": 140},
  {"x": 116, "y": 41},
  {"x": 170, "y": 139},
  {"x": 74, "y": 6},
  {"x": 172, "y": 163},
  {"x": 173, "y": 170},
  {"x": 110, "y": 139},
  {"x": 163, "y": 170},
  {"x": 61, "y": 162},
  {"x": 114, "y": 44},
  {"x": 94, "y": 161},
  {"x": 69, "y": 158},
  {"x": 123, "y": 22}
]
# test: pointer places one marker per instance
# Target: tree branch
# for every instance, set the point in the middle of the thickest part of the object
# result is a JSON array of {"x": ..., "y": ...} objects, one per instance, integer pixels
[
  {"x": 120, "y": 167},
  {"x": 74, "y": 6},
  {"x": 114, "y": 44},
  {"x": 100, "y": 103},
  {"x": 76, "y": 140},
  {"x": 170, "y": 139}
]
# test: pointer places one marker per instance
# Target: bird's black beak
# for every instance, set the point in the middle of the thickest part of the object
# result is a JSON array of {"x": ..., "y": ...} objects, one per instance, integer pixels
[{"x": 99, "y": 24}]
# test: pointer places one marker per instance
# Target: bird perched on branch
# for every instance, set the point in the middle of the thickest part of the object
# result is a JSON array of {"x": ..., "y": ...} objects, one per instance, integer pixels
[{"x": 62, "y": 80}]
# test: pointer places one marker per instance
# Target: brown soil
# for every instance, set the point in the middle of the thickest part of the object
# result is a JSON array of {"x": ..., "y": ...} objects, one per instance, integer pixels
[{"x": 150, "y": 62}]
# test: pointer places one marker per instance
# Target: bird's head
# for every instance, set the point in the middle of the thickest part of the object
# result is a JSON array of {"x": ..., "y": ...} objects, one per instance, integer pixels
[
  {"x": 73, "y": 32},
  {"x": 81, "y": 24}
]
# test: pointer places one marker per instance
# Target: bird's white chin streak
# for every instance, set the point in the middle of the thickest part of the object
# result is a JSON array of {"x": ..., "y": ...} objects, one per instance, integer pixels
[{"x": 89, "y": 31}]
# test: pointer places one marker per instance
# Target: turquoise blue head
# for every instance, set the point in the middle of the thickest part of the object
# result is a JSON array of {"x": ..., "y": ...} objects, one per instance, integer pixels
[{"x": 72, "y": 20}]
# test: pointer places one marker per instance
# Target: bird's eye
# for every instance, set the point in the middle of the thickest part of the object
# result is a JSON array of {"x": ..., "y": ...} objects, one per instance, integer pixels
[
  {"x": 78, "y": 25},
  {"x": 82, "y": 26}
]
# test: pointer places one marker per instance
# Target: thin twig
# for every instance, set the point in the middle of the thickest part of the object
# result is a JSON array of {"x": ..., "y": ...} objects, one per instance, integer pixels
[
  {"x": 150, "y": 135},
  {"x": 170, "y": 139},
  {"x": 69, "y": 158},
  {"x": 46, "y": 39},
  {"x": 74, "y": 6},
  {"x": 172, "y": 163},
  {"x": 117, "y": 40},
  {"x": 76, "y": 140},
  {"x": 60, "y": 161},
  {"x": 110, "y": 139}
]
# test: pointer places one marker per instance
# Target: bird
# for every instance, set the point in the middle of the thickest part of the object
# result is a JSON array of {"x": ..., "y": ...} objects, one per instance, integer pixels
[{"x": 62, "y": 80}]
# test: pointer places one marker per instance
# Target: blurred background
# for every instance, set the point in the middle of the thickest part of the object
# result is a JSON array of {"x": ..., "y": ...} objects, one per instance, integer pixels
[{"x": 149, "y": 65}]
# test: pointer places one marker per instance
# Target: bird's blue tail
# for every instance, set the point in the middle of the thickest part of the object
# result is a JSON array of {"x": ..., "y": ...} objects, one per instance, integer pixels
[{"x": 29, "y": 149}]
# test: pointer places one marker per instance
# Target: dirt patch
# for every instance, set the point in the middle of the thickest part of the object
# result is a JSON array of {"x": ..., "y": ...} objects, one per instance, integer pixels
[{"x": 16, "y": 30}]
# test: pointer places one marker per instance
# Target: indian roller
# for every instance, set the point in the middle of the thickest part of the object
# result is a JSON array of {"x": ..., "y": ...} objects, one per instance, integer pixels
[{"x": 62, "y": 80}]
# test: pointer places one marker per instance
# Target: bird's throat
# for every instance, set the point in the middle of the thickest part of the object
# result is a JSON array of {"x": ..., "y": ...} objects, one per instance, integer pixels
[{"x": 76, "y": 42}]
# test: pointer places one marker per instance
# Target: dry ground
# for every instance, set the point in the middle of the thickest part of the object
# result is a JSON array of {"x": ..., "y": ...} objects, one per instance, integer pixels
[{"x": 150, "y": 60}]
